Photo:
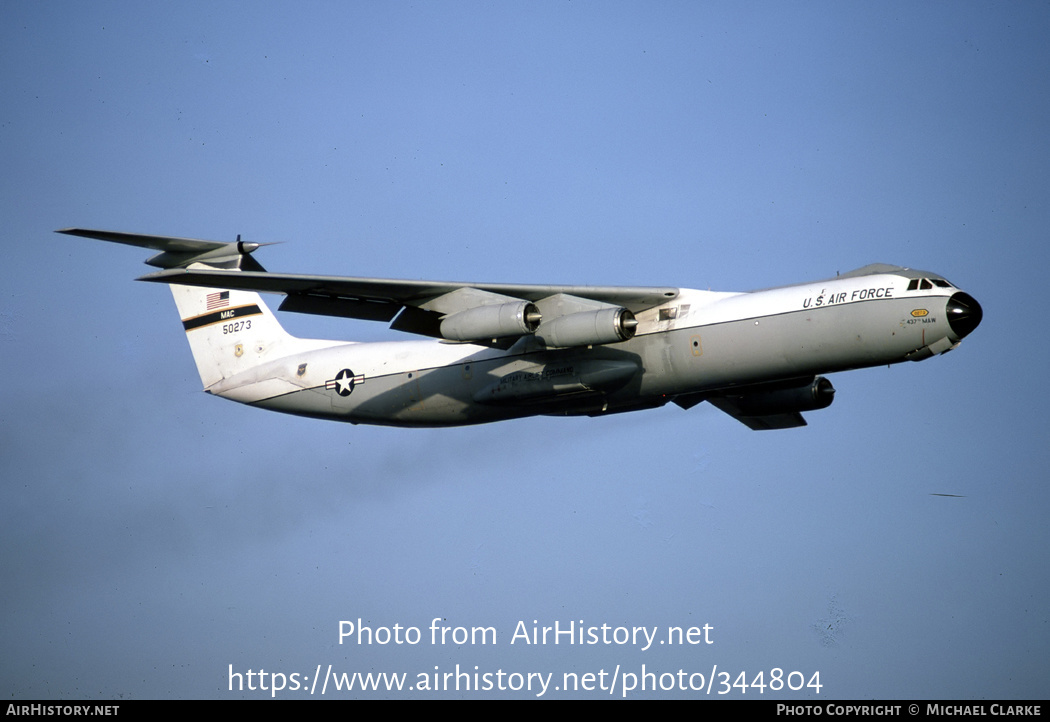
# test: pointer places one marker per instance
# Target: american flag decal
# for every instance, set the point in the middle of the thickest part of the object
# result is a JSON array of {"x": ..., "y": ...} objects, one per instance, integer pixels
[{"x": 218, "y": 299}]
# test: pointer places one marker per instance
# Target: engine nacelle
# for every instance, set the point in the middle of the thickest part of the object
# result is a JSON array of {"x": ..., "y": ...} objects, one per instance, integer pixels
[
  {"x": 817, "y": 394},
  {"x": 494, "y": 321},
  {"x": 589, "y": 328}
]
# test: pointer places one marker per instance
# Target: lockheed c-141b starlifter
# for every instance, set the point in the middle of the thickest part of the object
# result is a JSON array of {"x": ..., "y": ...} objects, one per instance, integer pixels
[{"x": 501, "y": 351}]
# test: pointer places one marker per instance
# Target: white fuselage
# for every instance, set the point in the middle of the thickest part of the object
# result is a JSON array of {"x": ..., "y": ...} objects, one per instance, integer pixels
[{"x": 699, "y": 342}]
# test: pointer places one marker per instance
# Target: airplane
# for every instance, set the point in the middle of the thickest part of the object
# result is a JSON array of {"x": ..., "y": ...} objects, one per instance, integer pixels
[{"x": 499, "y": 351}]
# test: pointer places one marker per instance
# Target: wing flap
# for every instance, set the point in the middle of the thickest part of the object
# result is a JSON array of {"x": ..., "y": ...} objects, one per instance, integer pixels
[{"x": 344, "y": 307}]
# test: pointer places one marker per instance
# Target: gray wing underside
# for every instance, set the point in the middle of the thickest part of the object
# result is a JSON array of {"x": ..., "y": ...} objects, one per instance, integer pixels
[
  {"x": 416, "y": 305},
  {"x": 405, "y": 292}
]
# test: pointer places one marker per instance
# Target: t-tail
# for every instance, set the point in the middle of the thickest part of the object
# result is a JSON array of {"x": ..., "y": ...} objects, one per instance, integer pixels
[{"x": 230, "y": 331}]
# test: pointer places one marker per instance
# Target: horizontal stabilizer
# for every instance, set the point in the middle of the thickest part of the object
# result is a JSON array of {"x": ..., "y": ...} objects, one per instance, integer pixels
[{"x": 180, "y": 252}]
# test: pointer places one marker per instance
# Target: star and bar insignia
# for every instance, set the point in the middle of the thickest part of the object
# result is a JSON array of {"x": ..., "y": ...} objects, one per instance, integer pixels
[{"x": 344, "y": 382}]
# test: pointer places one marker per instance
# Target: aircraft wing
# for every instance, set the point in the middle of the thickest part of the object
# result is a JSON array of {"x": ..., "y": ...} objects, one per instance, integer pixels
[
  {"x": 414, "y": 306},
  {"x": 421, "y": 304},
  {"x": 404, "y": 292}
]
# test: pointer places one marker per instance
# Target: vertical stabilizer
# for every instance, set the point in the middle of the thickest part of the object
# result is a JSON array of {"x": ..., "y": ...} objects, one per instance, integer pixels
[{"x": 229, "y": 331}]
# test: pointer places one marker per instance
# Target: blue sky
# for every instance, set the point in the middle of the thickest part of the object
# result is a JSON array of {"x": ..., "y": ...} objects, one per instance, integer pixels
[{"x": 152, "y": 536}]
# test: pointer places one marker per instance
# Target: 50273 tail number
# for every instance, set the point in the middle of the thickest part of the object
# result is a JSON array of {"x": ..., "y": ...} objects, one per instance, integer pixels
[{"x": 236, "y": 326}]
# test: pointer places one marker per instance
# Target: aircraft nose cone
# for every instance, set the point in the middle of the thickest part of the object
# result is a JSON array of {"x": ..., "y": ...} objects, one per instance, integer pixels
[{"x": 964, "y": 314}]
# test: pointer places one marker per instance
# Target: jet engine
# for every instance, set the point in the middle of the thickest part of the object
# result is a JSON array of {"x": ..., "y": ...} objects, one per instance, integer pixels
[
  {"x": 493, "y": 321},
  {"x": 589, "y": 328},
  {"x": 810, "y": 396}
]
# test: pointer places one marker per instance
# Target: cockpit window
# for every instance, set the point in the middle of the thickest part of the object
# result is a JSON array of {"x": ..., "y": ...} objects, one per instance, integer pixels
[{"x": 925, "y": 284}]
